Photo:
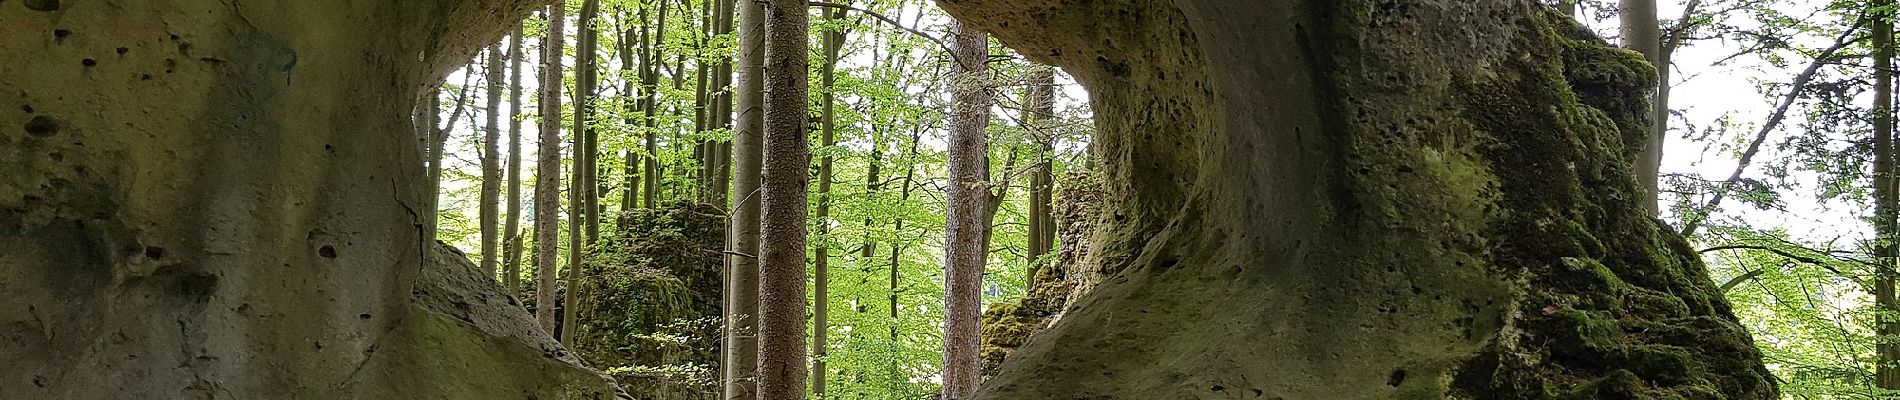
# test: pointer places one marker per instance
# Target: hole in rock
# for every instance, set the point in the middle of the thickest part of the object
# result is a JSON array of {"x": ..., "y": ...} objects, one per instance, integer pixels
[{"x": 42, "y": 126}]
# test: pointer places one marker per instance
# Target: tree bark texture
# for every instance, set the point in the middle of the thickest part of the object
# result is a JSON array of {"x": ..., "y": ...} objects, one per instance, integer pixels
[
  {"x": 490, "y": 208},
  {"x": 1364, "y": 200},
  {"x": 783, "y": 184},
  {"x": 967, "y": 229},
  {"x": 547, "y": 172},
  {"x": 232, "y": 191}
]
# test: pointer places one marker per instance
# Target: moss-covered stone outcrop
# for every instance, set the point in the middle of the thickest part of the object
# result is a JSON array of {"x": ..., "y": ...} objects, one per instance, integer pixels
[
  {"x": 1367, "y": 199},
  {"x": 650, "y": 302},
  {"x": 1007, "y": 326}
]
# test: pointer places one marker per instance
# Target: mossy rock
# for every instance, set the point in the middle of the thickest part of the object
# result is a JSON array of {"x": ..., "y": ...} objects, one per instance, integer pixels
[{"x": 649, "y": 302}]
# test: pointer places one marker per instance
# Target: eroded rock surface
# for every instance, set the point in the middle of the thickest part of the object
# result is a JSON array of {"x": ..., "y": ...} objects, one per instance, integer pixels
[
  {"x": 1367, "y": 199},
  {"x": 205, "y": 199}
]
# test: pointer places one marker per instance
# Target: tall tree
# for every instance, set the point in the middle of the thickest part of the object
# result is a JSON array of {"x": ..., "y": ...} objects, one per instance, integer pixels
[
  {"x": 547, "y": 170},
  {"x": 491, "y": 164},
  {"x": 649, "y": 83},
  {"x": 511, "y": 274},
  {"x": 632, "y": 49},
  {"x": 1886, "y": 201},
  {"x": 783, "y": 193},
  {"x": 821, "y": 255},
  {"x": 1040, "y": 99},
  {"x": 581, "y": 227},
  {"x": 967, "y": 229},
  {"x": 1642, "y": 32},
  {"x": 721, "y": 114},
  {"x": 587, "y": 154},
  {"x": 742, "y": 250}
]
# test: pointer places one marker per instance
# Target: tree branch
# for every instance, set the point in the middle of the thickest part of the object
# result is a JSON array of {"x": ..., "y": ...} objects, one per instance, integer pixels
[
  {"x": 1699, "y": 214},
  {"x": 892, "y": 22}
]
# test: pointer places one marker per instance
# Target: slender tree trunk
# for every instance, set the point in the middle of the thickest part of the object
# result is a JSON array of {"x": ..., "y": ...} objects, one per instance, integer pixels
[
  {"x": 742, "y": 284},
  {"x": 1887, "y": 353},
  {"x": 897, "y": 244},
  {"x": 1642, "y": 32},
  {"x": 547, "y": 174},
  {"x": 511, "y": 275},
  {"x": 581, "y": 228},
  {"x": 966, "y": 231},
  {"x": 721, "y": 108},
  {"x": 587, "y": 154},
  {"x": 491, "y": 165},
  {"x": 631, "y": 45},
  {"x": 1041, "y": 110},
  {"x": 821, "y": 262},
  {"x": 650, "y": 84}
]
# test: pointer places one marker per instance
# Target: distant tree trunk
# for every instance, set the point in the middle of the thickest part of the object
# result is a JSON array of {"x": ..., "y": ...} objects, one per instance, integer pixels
[
  {"x": 491, "y": 165},
  {"x": 821, "y": 257},
  {"x": 783, "y": 193},
  {"x": 966, "y": 233},
  {"x": 721, "y": 114},
  {"x": 547, "y": 171},
  {"x": 512, "y": 273},
  {"x": 1642, "y": 32},
  {"x": 1886, "y": 201},
  {"x": 650, "y": 83},
  {"x": 742, "y": 284},
  {"x": 581, "y": 227},
  {"x": 632, "y": 45},
  {"x": 1040, "y": 111},
  {"x": 587, "y": 153}
]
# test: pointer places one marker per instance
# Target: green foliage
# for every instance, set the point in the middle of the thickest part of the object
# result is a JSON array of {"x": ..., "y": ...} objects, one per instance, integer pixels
[{"x": 885, "y": 307}]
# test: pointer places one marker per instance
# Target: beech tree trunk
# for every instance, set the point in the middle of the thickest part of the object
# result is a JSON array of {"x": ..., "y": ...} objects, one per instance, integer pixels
[
  {"x": 587, "y": 154},
  {"x": 580, "y": 226},
  {"x": 967, "y": 229},
  {"x": 650, "y": 84},
  {"x": 1358, "y": 199},
  {"x": 742, "y": 251},
  {"x": 511, "y": 274},
  {"x": 782, "y": 217},
  {"x": 1886, "y": 201},
  {"x": 491, "y": 165},
  {"x": 821, "y": 253},
  {"x": 228, "y": 201},
  {"x": 547, "y": 172},
  {"x": 1642, "y": 32}
]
